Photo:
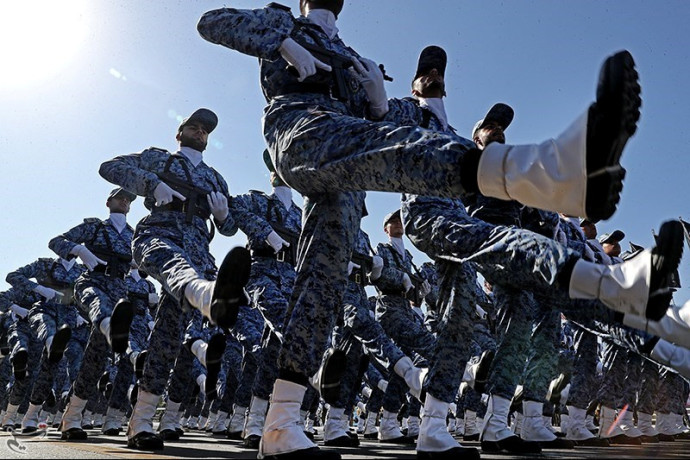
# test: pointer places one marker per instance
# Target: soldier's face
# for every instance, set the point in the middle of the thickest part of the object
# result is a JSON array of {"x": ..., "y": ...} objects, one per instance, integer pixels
[
  {"x": 118, "y": 204},
  {"x": 491, "y": 132},
  {"x": 394, "y": 228},
  {"x": 430, "y": 85},
  {"x": 612, "y": 249},
  {"x": 193, "y": 135},
  {"x": 590, "y": 230}
]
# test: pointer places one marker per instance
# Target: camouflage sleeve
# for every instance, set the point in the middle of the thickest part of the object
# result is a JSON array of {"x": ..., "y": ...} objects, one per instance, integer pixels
[
  {"x": 20, "y": 278},
  {"x": 257, "y": 32},
  {"x": 5, "y": 301},
  {"x": 245, "y": 209},
  {"x": 403, "y": 112},
  {"x": 391, "y": 277},
  {"x": 134, "y": 172},
  {"x": 63, "y": 244}
]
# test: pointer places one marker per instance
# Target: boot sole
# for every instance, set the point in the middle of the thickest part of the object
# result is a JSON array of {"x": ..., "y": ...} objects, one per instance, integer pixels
[
  {"x": 613, "y": 120},
  {"x": 120, "y": 321},
  {"x": 334, "y": 367},
  {"x": 19, "y": 364},
  {"x": 668, "y": 252},
  {"x": 483, "y": 369},
  {"x": 214, "y": 358},
  {"x": 228, "y": 293},
  {"x": 57, "y": 348}
]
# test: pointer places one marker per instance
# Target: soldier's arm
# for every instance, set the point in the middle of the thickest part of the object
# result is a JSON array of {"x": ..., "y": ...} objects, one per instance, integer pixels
[
  {"x": 258, "y": 32},
  {"x": 403, "y": 112},
  {"x": 256, "y": 227},
  {"x": 21, "y": 277},
  {"x": 133, "y": 172},
  {"x": 391, "y": 276},
  {"x": 64, "y": 244}
]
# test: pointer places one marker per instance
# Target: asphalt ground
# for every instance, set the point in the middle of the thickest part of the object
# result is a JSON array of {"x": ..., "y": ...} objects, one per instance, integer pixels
[{"x": 199, "y": 444}]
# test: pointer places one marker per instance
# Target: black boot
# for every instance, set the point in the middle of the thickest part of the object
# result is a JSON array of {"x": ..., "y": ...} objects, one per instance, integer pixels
[
  {"x": 145, "y": 441},
  {"x": 57, "y": 347},
  {"x": 228, "y": 293},
  {"x": 120, "y": 321}
]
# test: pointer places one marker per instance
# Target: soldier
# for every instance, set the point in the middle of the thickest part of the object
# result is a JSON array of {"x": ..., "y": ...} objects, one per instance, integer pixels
[
  {"x": 52, "y": 320},
  {"x": 104, "y": 247},
  {"x": 324, "y": 148},
  {"x": 172, "y": 245}
]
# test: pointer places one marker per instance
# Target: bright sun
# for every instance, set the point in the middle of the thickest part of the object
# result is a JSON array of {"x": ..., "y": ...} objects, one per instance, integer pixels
[{"x": 39, "y": 37}]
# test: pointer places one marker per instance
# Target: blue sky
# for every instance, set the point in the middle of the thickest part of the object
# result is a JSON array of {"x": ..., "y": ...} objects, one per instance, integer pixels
[{"x": 83, "y": 81}]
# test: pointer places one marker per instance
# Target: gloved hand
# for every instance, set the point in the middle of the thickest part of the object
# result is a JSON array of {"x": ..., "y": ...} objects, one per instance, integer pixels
[
  {"x": 276, "y": 242},
  {"x": 453, "y": 408},
  {"x": 481, "y": 312},
  {"x": 81, "y": 321},
  {"x": 371, "y": 79},
  {"x": 164, "y": 194},
  {"x": 153, "y": 298},
  {"x": 47, "y": 292},
  {"x": 425, "y": 288},
  {"x": 407, "y": 282},
  {"x": 87, "y": 257},
  {"x": 376, "y": 268},
  {"x": 382, "y": 385},
  {"x": 19, "y": 311},
  {"x": 150, "y": 325},
  {"x": 219, "y": 205},
  {"x": 201, "y": 381},
  {"x": 301, "y": 59},
  {"x": 351, "y": 266}
]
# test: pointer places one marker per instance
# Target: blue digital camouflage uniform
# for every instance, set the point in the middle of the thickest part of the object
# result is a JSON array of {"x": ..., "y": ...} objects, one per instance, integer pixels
[
  {"x": 169, "y": 246},
  {"x": 325, "y": 149},
  {"x": 271, "y": 279},
  {"x": 230, "y": 375},
  {"x": 47, "y": 316},
  {"x": 138, "y": 290},
  {"x": 649, "y": 388},
  {"x": 99, "y": 290}
]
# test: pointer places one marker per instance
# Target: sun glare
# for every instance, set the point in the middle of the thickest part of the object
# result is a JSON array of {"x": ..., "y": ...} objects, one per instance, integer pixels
[{"x": 40, "y": 38}]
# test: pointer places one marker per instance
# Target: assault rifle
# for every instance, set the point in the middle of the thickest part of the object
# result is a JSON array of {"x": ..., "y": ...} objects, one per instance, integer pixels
[
  {"x": 291, "y": 237},
  {"x": 194, "y": 195}
]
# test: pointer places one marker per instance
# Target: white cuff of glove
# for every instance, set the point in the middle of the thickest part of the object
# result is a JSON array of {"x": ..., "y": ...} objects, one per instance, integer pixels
[
  {"x": 153, "y": 298},
  {"x": 376, "y": 268},
  {"x": 19, "y": 311},
  {"x": 276, "y": 242},
  {"x": 351, "y": 266},
  {"x": 407, "y": 283}
]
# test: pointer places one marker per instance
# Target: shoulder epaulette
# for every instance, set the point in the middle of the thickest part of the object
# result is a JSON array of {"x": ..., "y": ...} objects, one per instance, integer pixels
[
  {"x": 91, "y": 220},
  {"x": 278, "y": 6},
  {"x": 260, "y": 192},
  {"x": 158, "y": 149}
]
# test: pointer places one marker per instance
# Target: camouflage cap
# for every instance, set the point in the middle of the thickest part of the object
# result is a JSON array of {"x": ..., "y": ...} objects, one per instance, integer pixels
[
  {"x": 499, "y": 113},
  {"x": 614, "y": 237},
  {"x": 203, "y": 116},
  {"x": 390, "y": 216},
  {"x": 431, "y": 57},
  {"x": 120, "y": 191}
]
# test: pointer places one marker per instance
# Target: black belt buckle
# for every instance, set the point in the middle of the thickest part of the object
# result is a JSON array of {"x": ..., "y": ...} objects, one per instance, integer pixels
[
  {"x": 280, "y": 256},
  {"x": 358, "y": 278}
]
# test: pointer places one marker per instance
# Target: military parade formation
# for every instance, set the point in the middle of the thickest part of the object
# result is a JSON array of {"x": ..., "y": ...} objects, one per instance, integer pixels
[{"x": 526, "y": 330}]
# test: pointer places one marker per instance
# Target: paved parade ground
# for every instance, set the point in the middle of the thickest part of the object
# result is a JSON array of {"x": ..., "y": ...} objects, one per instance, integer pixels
[{"x": 198, "y": 444}]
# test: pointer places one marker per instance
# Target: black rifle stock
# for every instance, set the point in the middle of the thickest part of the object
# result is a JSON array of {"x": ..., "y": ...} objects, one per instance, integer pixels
[{"x": 191, "y": 193}]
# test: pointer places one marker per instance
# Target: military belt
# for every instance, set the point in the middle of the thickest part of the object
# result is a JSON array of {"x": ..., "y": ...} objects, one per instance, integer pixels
[
  {"x": 314, "y": 88},
  {"x": 357, "y": 277},
  {"x": 182, "y": 206},
  {"x": 281, "y": 256},
  {"x": 111, "y": 270},
  {"x": 397, "y": 292}
]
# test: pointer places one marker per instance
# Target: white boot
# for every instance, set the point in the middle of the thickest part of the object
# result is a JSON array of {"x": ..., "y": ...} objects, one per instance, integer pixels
[
  {"x": 622, "y": 287},
  {"x": 87, "y": 419},
  {"x": 170, "y": 417},
  {"x": 413, "y": 376},
  {"x": 662, "y": 423},
  {"x": 607, "y": 429},
  {"x": 452, "y": 425},
  {"x": 459, "y": 426},
  {"x": 199, "y": 293},
  {"x": 98, "y": 420},
  {"x": 199, "y": 348},
  {"x": 212, "y": 416},
  {"x": 565, "y": 420},
  {"x": 516, "y": 426},
  {"x": 370, "y": 424},
  {"x": 30, "y": 420},
  {"x": 202, "y": 422},
  {"x": 237, "y": 420},
  {"x": 141, "y": 420},
  {"x": 334, "y": 428},
  {"x": 389, "y": 428},
  {"x": 413, "y": 426},
  {"x": 72, "y": 417},
  {"x": 644, "y": 423},
  {"x": 433, "y": 434},
  {"x": 282, "y": 431},
  {"x": 589, "y": 423},
  {"x": 256, "y": 417},
  {"x": 627, "y": 424},
  {"x": 113, "y": 420},
  {"x": 219, "y": 426},
  {"x": 471, "y": 426},
  {"x": 496, "y": 420},
  {"x": 533, "y": 428},
  {"x": 577, "y": 429}
]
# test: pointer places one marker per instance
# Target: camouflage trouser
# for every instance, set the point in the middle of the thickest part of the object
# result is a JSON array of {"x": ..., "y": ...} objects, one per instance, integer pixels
[
  {"x": 375, "y": 401},
  {"x": 124, "y": 377},
  {"x": 248, "y": 331},
  {"x": 5, "y": 377},
  {"x": 248, "y": 372},
  {"x": 231, "y": 371},
  {"x": 612, "y": 389},
  {"x": 584, "y": 383},
  {"x": 542, "y": 358},
  {"x": 74, "y": 353},
  {"x": 649, "y": 389},
  {"x": 360, "y": 322},
  {"x": 22, "y": 337},
  {"x": 671, "y": 393},
  {"x": 182, "y": 376},
  {"x": 98, "y": 294},
  {"x": 139, "y": 330},
  {"x": 344, "y": 340}
]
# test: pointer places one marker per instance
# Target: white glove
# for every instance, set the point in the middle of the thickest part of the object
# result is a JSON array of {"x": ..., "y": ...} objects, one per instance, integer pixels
[
  {"x": 382, "y": 385},
  {"x": 150, "y": 325},
  {"x": 371, "y": 79},
  {"x": 19, "y": 311},
  {"x": 87, "y": 257},
  {"x": 407, "y": 283},
  {"x": 153, "y": 298},
  {"x": 351, "y": 266},
  {"x": 201, "y": 381},
  {"x": 219, "y": 206},
  {"x": 276, "y": 242},
  {"x": 301, "y": 59},
  {"x": 376, "y": 268},
  {"x": 164, "y": 194},
  {"x": 453, "y": 408},
  {"x": 47, "y": 292},
  {"x": 366, "y": 391},
  {"x": 481, "y": 312},
  {"x": 425, "y": 288}
]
